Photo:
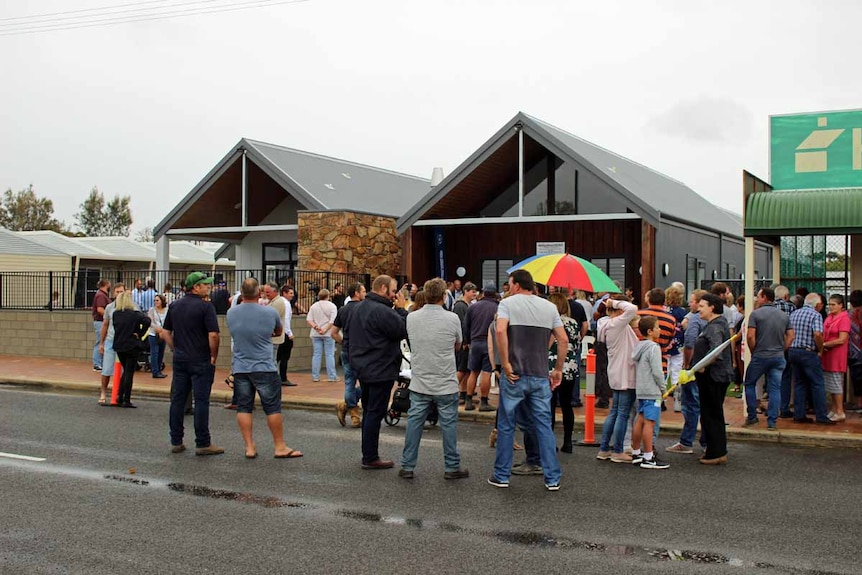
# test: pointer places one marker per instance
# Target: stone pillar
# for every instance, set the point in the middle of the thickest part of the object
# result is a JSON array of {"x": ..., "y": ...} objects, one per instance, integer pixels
[{"x": 348, "y": 242}]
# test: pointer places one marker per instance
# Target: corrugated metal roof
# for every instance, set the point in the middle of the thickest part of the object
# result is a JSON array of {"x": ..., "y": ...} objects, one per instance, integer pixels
[
  {"x": 344, "y": 185},
  {"x": 188, "y": 253},
  {"x": 67, "y": 245},
  {"x": 648, "y": 193},
  {"x": 122, "y": 248},
  {"x": 804, "y": 212},
  {"x": 662, "y": 193},
  {"x": 18, "y": 244}
]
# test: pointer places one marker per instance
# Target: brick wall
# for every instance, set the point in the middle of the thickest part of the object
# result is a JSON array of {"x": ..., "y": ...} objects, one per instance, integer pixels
[{"x": 70, "y": 335}]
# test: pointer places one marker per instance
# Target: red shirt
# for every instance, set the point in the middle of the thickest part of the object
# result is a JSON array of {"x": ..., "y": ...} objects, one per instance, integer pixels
[{"x": 100, "y": 300}]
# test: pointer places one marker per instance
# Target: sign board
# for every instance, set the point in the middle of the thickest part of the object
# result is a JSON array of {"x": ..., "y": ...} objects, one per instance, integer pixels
[
  {"x": 545, "y": 248},
  {"x": 808, "y": 151}
]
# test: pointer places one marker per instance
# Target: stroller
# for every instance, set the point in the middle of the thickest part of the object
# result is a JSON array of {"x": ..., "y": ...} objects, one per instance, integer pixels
[{"x": 401, "y": 398}]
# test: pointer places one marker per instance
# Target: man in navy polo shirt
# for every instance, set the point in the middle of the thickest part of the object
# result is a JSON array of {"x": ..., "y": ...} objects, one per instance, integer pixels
[{"x": 191, "y": 331}]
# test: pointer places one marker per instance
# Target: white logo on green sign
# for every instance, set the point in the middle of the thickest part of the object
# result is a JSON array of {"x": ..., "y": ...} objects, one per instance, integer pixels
[{"x": 816, "y": 150}]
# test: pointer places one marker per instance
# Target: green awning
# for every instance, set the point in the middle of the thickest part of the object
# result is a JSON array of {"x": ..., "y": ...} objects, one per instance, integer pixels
[{"x": 804, "y": 212}]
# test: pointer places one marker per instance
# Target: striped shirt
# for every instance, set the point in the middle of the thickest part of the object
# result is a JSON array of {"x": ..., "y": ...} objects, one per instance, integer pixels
[
  {"x": 805, "y": 322},
  {"x": 144, "y": 299},
  {"x": 667, "y": 323}
]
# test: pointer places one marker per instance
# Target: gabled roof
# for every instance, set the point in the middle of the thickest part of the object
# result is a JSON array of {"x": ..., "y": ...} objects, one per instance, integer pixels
[
  {"x": 317, "y": 182},
  {"x": 648, "y": 193},
  {"x": 17, "y": 244},
  {"x": 67, "y": 245}
]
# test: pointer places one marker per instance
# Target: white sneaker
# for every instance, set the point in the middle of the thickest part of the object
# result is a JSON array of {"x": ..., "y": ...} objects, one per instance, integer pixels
[{"x": 835, "y": 417}]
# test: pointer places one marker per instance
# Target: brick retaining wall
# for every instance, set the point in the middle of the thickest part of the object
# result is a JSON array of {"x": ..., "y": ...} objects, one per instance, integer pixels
[{"x": 69, "y": 335}]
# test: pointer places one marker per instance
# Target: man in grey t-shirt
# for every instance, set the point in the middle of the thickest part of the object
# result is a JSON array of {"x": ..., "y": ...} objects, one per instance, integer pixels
[
  {"x": 252, "y": 328},
  {"x": 768, "y": 336},
  {"x": 435, "y": 336}
]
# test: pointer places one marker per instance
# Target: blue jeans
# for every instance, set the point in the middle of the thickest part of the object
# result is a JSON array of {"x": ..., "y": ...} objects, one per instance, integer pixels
[
  {"x": 447, "y": 410},
  {"x": 690, "y": 399},
  {"x": 772, "y": 367},
  {"x": 157, "y": 354},
  {"x": 323, "y": 345},
  {"x": 535, "y": 393},
  {"x": 809, "y": 373},
  {"x": 196, "y": 376},
  {"x": 786, "y": 385},
  {"x": 97, "y": 357},
  {"x": 617, "y": 420},
  {"x": 352, "y": 392},
  {"x": 524, "y": 422}
]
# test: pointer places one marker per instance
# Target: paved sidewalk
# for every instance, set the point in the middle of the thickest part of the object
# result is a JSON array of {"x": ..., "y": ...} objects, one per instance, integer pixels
[{"x": 79, "y": 376}]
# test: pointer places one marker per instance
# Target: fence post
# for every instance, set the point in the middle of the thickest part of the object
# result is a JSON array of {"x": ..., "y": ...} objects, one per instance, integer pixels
[{"x": 50, "y": 291}]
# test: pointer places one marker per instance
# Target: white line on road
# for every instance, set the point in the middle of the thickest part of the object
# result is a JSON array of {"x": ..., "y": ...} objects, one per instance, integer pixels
[{"x": 24, "y": 457}]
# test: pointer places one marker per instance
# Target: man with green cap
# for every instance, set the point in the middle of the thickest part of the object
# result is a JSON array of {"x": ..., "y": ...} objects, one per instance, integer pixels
[{"x": 191, "y": 331}]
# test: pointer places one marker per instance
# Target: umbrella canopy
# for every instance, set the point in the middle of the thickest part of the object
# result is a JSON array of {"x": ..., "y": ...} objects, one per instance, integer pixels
[{"x": 568, "y": 271}]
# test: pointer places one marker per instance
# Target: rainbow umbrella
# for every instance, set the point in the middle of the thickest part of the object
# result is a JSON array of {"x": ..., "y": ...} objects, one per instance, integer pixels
[{"x": 567, "y": 271}]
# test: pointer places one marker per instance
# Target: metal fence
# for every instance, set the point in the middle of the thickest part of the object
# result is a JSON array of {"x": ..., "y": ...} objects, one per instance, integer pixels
[{"x": 57, "y": 291}]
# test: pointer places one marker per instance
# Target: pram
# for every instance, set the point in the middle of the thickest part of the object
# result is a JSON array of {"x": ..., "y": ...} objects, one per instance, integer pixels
[{"x": 401, "y": 398}]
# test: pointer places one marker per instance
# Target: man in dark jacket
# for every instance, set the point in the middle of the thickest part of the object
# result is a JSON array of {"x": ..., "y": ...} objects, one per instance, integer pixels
[{"x": 376, "y": 331}]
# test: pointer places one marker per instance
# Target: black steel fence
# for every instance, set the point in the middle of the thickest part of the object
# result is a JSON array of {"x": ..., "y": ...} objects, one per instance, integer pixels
[{"x": 58, "y": 291}]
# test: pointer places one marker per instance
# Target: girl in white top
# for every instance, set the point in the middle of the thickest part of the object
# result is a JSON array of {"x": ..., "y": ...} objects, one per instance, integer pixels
[{"x": 157, "y": 315}]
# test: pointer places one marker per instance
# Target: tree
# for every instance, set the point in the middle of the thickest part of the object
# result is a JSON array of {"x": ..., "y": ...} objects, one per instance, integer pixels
[
  {"x": 99, "y": 219},
  {"x": 144, "y": 236},
  {"x": 24, "y": 211}
]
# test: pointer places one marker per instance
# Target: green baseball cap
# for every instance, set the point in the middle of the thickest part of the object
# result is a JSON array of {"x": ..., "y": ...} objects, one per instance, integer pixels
[{"x": 195, "y": 278}]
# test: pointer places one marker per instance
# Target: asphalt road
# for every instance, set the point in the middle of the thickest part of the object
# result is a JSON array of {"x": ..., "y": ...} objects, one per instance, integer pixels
[{"x": 772, "y": 510}]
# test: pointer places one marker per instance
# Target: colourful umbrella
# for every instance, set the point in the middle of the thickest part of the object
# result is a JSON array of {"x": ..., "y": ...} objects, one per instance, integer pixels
[{"x": 568, "y": 271}]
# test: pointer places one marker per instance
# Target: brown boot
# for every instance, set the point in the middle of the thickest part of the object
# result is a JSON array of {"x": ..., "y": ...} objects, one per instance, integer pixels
[
  {"x": 492, "y": 439},
  {"x": 355, "y": 417},
  {"x": 341, "y": 412}
]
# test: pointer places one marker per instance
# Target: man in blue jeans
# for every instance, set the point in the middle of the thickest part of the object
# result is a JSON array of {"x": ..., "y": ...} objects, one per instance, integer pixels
[
  {"x": 435, "y": 335},
  {"x": 525, "y": 323},
  {"x": 252, "y": 327},
  {"x": 352, "y": 392},
  {"x": 768, "y": 336},
  {"x": 689, "y": 395},
  {"x": 191, "y": 331},
  {"x": 804, "y": 355}
]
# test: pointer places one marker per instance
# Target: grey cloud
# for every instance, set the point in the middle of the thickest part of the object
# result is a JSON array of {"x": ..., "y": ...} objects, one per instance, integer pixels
[{"x": 704, "y": 119}]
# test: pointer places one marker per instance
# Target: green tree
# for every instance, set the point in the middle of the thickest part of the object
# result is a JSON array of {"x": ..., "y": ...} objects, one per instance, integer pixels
[
  {"x": 144, "y": 236},
  {"x": 98, "y": 218},
  {"x": 25, "y": 211}
]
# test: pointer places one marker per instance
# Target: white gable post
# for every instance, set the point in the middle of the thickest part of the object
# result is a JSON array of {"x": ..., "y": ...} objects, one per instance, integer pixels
[{"x": 163, "y": 261}]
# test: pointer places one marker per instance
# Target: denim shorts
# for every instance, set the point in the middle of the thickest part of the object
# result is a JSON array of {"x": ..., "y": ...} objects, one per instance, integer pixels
[
  {"x": 108, "y": 359},
  {"x": 268, "y": 386},
  {"x": 650, "y": 408}
]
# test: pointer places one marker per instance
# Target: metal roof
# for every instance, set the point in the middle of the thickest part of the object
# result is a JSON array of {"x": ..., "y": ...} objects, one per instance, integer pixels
[
  {"x": 67, "y": 245},
  {"x": 16, "y": 243},
  {"x": 317, "y": 182},
  {"x": 121, "y": 248},
  {"x": 804, "y": 212},
  {"x": 647, "y": 192}
]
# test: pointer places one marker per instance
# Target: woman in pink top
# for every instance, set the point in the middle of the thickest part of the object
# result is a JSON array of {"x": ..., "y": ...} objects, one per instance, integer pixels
[{"x": 836, "y": 344}]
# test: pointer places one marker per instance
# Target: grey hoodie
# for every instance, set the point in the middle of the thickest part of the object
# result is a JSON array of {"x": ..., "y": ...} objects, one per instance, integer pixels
[{"x": 650, "y": 380}]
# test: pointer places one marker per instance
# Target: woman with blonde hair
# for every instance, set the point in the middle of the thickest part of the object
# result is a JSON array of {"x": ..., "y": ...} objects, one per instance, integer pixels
[{"x": 130, "y": 327}]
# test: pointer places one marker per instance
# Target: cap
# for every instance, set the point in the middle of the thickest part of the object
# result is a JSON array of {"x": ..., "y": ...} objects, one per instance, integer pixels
[
  {"x": 195, "y": 278},
  {"x": 489, "y": 287},
  {"x": 470, "y": 286}
]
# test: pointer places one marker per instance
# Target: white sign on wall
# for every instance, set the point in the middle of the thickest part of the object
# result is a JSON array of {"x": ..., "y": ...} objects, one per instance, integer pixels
[{"x": 545, "y": 248}]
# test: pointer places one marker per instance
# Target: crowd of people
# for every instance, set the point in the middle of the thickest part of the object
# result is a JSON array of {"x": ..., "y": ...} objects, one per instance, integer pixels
[{"x": 460, "y": 337}]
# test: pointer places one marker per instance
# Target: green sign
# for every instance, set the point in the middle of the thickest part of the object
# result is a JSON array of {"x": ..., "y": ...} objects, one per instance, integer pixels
[{"x": 816, "y": 150}]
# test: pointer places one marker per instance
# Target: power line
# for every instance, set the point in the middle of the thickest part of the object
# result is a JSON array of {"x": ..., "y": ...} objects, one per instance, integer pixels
[
  {"x": 26, "y": 28},
  {"x": 83, "y": 10},
  {"x": 114, "y": 11}
]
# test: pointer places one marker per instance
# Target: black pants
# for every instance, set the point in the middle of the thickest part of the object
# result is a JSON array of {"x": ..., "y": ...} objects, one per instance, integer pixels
[
  {"x": 603, "y": 386},
  {"x": 712, "y": 427},
  {"x": 562, "y": 396},
  {"x": 283, "y": 355},
  {"x": 129, "y": 361},
  {"x": 375, "y": 399}
]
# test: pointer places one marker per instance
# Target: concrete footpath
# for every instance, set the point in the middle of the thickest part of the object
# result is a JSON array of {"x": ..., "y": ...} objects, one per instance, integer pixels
[{"x": 78, "y": 376}]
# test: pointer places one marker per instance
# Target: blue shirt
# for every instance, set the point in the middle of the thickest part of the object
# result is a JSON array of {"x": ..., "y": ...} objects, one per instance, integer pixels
[
  {"x": 251, "y": 327},
  {"x": 785, "y": 306},
  {"x": 144, "y": 299},
  {"x": 191, "y": 320},
  {"x": 804, "y": 322}
]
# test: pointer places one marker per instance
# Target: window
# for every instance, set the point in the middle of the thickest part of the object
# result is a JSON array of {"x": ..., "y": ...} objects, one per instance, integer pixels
[
  {"x": 495, "y": 271},
  {"x": 279, "y": 261},
  {"x": 695, "y": 273},
  {"x": 615, "y": 268}
]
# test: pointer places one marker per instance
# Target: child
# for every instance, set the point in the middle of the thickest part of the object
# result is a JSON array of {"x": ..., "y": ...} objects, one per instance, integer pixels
[{"x": 650, "y": 386}]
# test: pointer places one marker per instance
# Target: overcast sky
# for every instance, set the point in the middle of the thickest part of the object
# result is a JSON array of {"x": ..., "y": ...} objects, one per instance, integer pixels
[{"x": 148, "y": 108}]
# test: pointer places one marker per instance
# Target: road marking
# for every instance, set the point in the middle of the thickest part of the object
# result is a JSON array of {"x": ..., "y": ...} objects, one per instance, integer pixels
[{"x": 24, "y": 457}]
